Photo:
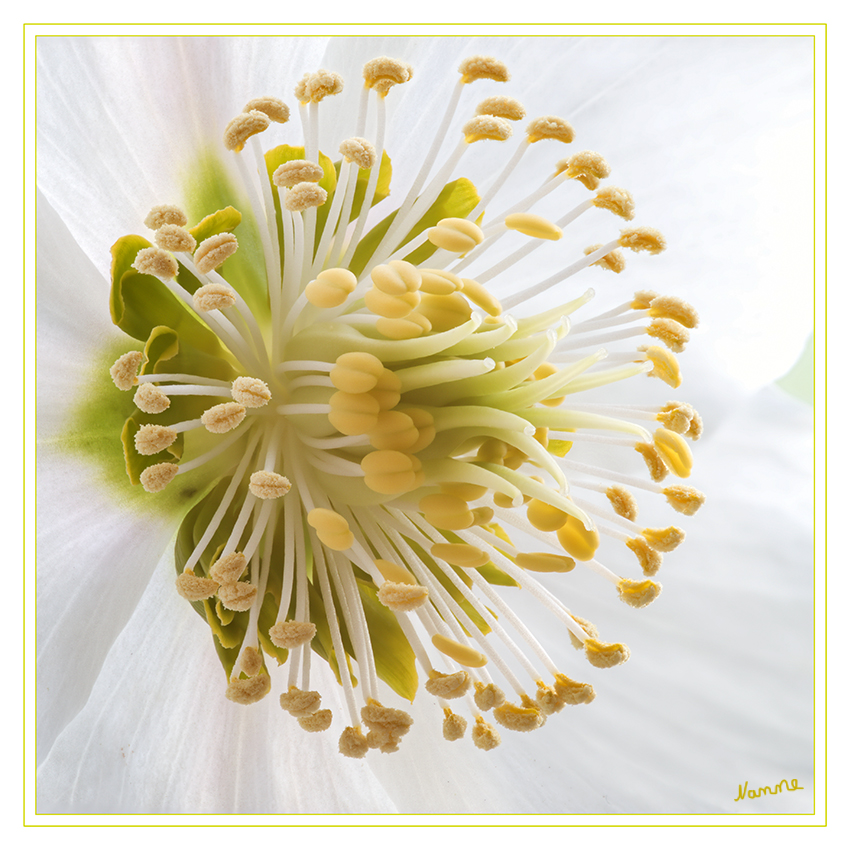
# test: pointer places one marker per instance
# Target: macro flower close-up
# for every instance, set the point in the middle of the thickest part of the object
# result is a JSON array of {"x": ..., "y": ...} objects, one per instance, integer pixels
[{"x": 409, "y": 435}]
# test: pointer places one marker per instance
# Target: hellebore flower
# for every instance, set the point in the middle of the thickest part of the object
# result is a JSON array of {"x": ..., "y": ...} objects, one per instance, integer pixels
[{"x": 373, "y": 429}]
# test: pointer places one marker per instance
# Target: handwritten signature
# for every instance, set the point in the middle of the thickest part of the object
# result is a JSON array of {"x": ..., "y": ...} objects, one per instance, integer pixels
[{"x": 754, "y": 794}]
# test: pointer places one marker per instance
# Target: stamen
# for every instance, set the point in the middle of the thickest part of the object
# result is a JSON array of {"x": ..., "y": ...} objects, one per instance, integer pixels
[
  {"x": 465, "y": 655},
  {"x": 605, "y": 655},
  {"x": 238, "y": 597},
  {"x": 297, "y": 171},
  {"x": 151, "y": 399},
  {"x": 305, "y": 196},
  {"x": 456, "y": 235},
  {"x": 251, "y": 392},
  {"x": 486, "y": 127},
  {"x": 402, "y": 597},
  {"x": 249, "y": 691},
  {"x": 213, "y": 296},
  {"x": 502, "y": 107},
  {"x": 382, "y": 73},
  {"x": 269, "y": 485},
  {"x": 173, "y": 237},
  {"x": 448, "y": 685},
  {"x": 454, "y": 726},
  {"x": 223, "y": 417},
  {"x": 157, "y": 477},
  {"x": 483, "y": 68},
  {"x": 151, "y": 439},
  {"x": 484, "y": 736},
  {"x": 229, "y": 568},
  {"x": 125, "y": 370},
  {"x": 686, "y": 500},
  {"x": 274, "y": 108},
  {"x": 195, "y": 588},
  {"x": 292, "y": 633},
  {"x": 156, "y": 262},
  {"x": 242, "y": 127},
  {"x": 164, "y": 214},
  {"x": 212, "y": 252},
  {"x": 549, "y": 127}
]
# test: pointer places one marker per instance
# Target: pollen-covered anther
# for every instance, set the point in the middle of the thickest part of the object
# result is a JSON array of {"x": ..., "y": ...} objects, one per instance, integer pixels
[
  {"x": 195, "y": 588},
  {"x": 352, "y": 743},
  {"x": 578, "y": 541},
  {"x": 613, "y": 261},
  {"x": 643, "y": 239},
  {"x": 615, "y": 200},
  {"x": 237, "y": 597},
  {"x": 686, "y": 500},
  {"x": 676, "y": 416},
  {"x": 213, "y": 296},
  {"x": 382, "y": 73},
  {"x": 545, "y": 517},
  {"x": 265, "y": 484},
  {"x": 300, "y": 703},
  {"x": 665, "y": 365},
  {"x": 656, "y": 466},
  {"x": 484, "y": 735},
  {"x": 317, "y": 722},
  {"x": 501, "y": 106},
  {"x": 359, "y": 151},
  {"x": 387, "y": 726},
  {"x": 297, "y": 171},
  {"x": 670, "y": 307},
  {"x": 314, "y": 88},
  {"x": 391, "y": 473},
  {"x": 588, "y": 167},
  {"x": 589, "y": 629},
  {"x": 229, "y": 569},
  {"x": 622, "y": 501},
  {"x": 151, "y": 439},
  {"x": 648, "y": 558},
  {"x": 173, "y": 237},
  {"x": 212, "y": 252},
  {"x": 571, "y": 692},
  {"x": 156, "y": 262},
  {"x": 463, "y": 654},
  {"x": 481, "y": 297},
  {"x": 250, "y": 392},
  {"x": 664, "y": 539},
  {"x": 402, "y": 597},
  {"x": 330, "y": 288},
  {"x": 272, "y": 107},
  {"x": 446, "y": 512},
  {"x": 670, "y": 332},
  {"x": 157, "y": 477},
  {"x": 292, "y": 633},
  {"x": 242, "y": 127},
  {"x": 356, "y": 372},
  {"x": 331, "y": 528},
  {"x": 605, "y": 655},
  {"x": 460, "y": 554},
  {"x": 457, "y": 235},
  {"x": 454, "y": 726},
  {"x": 483, "y": 68},
  {"x": 448, "y": 685},
  {"x": 304, "y": 196},
  {"x": 544, "y": 562},
  {"x": 165, "y": 214},
  {"x": 533, "y": 225},
  {"x": 519, "y": 718},
  {"x": 222, "y": 418},
  {"x": 251, "y": 661},
  {"x": 439, "y": 282},
  {"x": 484, "y": 127},
  {"x": 549, "y": 127},
  {"x": 674, "y": 452},
  {"x": 488, "y": 697},
  {"x": 248, "y": 691},
  {"x": 124, "y": 371},
  {"x": 638, "y": 594},
  {"x": 397, "y": 277}
]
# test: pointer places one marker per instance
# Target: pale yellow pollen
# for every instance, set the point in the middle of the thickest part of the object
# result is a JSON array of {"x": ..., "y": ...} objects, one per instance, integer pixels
[
  {"x": 352, "y": 743},
  {"x": 686, "y": 500},
  {"x": 265, "y": 484},
  {"x": 402, "y": 597},
  {"x": 446, "y": 512},
  {"x": 213, "y": 296},
  {"x": 356, "y": 372},
  {"x": 297, "y": 171},
  {"x": 519, "y": 718},
  {"x": 212, "y": 252},
  {"x": 483, "y": 68},
  {"x": 317, "y": 722},
  {"x": 157, "y": 477},
  {"x": 638, "y": 594},
  {"x": 674, "y": 452},
  {"x": 304, "y": 196},
  {"x": 486, "y": 127},
  {"x": 156, "y": 262},
  {"x": 273, "y": 107},
  {"x": 391, "y": 473},
  {"x": 195, "y": 588},
  {"x": 250, "y": 392},
  {"x": 292, "y": 633},
  {"x": 642, "y": 239},
  {"x": 411, "y": 326},
  {"x": 386, "y": 726},
  {"x": 547, "y": 699},
  {"x": 251, "y": 661},
  {"x": 545, "y": 517},
  {"x": 460, "y": 555},
  {"x": 237, "y": 597},
  {"x": 394, "y": 430},
  {"x": 248, "y": 691},
  {"x": 501, "y": 106},
  {"x": 151, "y": 399},
  {"x": 300, "y": 703},
  {"x": 676, "y": 416},
  {"x": 664, "y": 539},
  {"x": 670, "y": 332},
  {"x": 439, "y": 282},
  {"x": 359, "y": 151},
  {"x": 648, "y": 558},
  {"x": 397, "y": 277},
  {"x": 353, "y": 413},
  {"x": 331, "y": 528},
  {"x": 464, "y": 490},
  {"x": 444, "y": 312},
  {"x": 605, "y": 654},
  {"x": 242, "y": 127},
  {"x": 448, "y": 685},
  {"x": 589, "y": 629},
  {"x": 330, "y": 288},
  {"x": 165, "y": 214},
  {"x": 391, "y": 306},
  {"x": 125, "y": 369},
  {"x": 617, "y": 201},
  {"x": 465, "y": 655},
  {"x": 577, "y": 540},
  {"x": 656, "y": 466},
  {"x": 622, "y": 501},
  {"x": 382, "y": 73},
  {"x": 484, "y": 735},
  {"x": 665, "y": 365},
  {"x": 533, "y": 225},
  {"x": 670, "y": 307},
  {"x": 229, "y": 569},
  {"x": 488, "y": 696},
  {"x": 643, "y": 299},
  {"x": 695, "y": 431},
  {"x": 549, "y": 127},
  {"x": 387, "y": 392},
  {"x": 614, "y": 260},
  {"x": 479, "y": 295},
  {"x": 314, "y": 88},
  {"x": 588, "y": 167},
  {"x": 223, "y": 417},
  {"x": 393, "y": 572},
  {"x": 454, "y": 726},
  {"x": 173, "y": 237},
  {"x": 571, "y": 692},
  {"x": 544, "y": 562},
  {"x": 151, "y": 439}
]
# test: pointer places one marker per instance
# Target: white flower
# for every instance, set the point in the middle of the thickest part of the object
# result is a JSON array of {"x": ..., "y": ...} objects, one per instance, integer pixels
[{"x": 163, "y": 689}]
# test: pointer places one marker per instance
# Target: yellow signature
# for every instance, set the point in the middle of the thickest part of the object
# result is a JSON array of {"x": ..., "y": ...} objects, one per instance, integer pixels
[{"x": 754, "y": 794}]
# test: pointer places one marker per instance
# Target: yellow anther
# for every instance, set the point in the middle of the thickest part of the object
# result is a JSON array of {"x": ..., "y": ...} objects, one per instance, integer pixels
[
  {"x": 250, "y": 392},
  {"x": 223, "y": 417},
  {"x": 463, "y": 490},
  {"x": 413, "y": 325},
  {"x": 460, "y": 554},
  {"x": 387, "y": 391},
  {"x": 195, "y": 588},
  {"x": 165, "y": 214},
  {"x": 454, "y": 726},
  {"x": 237, "y": 597},
  {"x": 265, "y": 484},
  {"x": 331, "y": 528},
  {"x": 488, "y": 696},
  {"x": 638, "y": 594},
  {"x": 519, "y": 718},
  {"x": 577, "y": 540},
  {"x": 395, "y": 572},
  {"x": 483, "y": 68},
  {"x": 665, "y": 365},
  {"x": 605, "y": 654},
  {"x": 686, "y": 500},
  {"x": 643, "y": 299},
  {"x": 391, "y": 473},
  {"x": 546, "y": 370},
  {"x": 501, "y": 106},
  {"x": 547, "y": 699},
  {"x": 484, "y": 736},
  {"x": 213, "y": 296},
  {"x": 676, "y": 416},
  {"x": 173, "y": 237},
  {"x": 479, "y": 295},
  {"x": 300, "y": 703},
  {"x": 402, "y": 597},
  {"x": 648, "y": 558},
  {"x": 622, "y": 501},
  {"x": 394, "y": 430},
  {"x": 425, "y": 428},
  {"x": 448, "y": 685},
  {"x": 229, "y": 569},
  {"x": 383, "y": 73},
  {"x": 486, "y": 127},
  {"x": 330, "y": 288},
  {"x": 272, "y": 107},
  {"x": 544, "y": 562},
  {"x": 386, "y": 725},
  {"x": 352, "y": 743},
  {"x": 439, "y": 282},
  {"x": 464, "y": 655},
  {"x": 314, "y": 88},
  {"x": 663, "y": 539},
  {"x": 296, "y": 171},
  {"x": 356, "y": 372},
  {"x": 571, "y": 692},
  {"x": 446, "y": 512},
  {"x": 158, "y": 476},
  {"x": 125, "y": 369},
  {"x": 533, "y": 225},
  {"x": 242, "y": 127},
  {"x": 396, "y": 277},
  {"x": 492, "y": 451},
  {"x": 483, "y": 515},
  {"x": 457, "y": 235},
  {"x": 151, "y": 439},
  {"x": 549, "y": 127},
  {"x": 249, "y": 691},
  {"x": 251, "y": 661},
  {"x": 156, "y": 262},
  {"x": 545, "y": 517},
  {"x": 613, "y": 261},
  {"x": 588, "y": 167},
  {"x": 212, "y": 252},
  {"x": 304, "y": 196},
  {"x": 359, "y": 151},
  {"x": 151, "y": 399},
  {"x": 674, "y": 452},
  {"x": 617, "y": 201},
  {"x": 670, "y": 332},
  {"x": 353, "y": 413},
  {"x": 656, "y": 466},
  {"x": 670, "y": 307},
  {"x": 391, "y": 306},
  {"x": 317, "y": 722},
  {"x": 292, "y": 633},
  {"x": 642, "y": 239},
  {"x": 444, "y": 312}
]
